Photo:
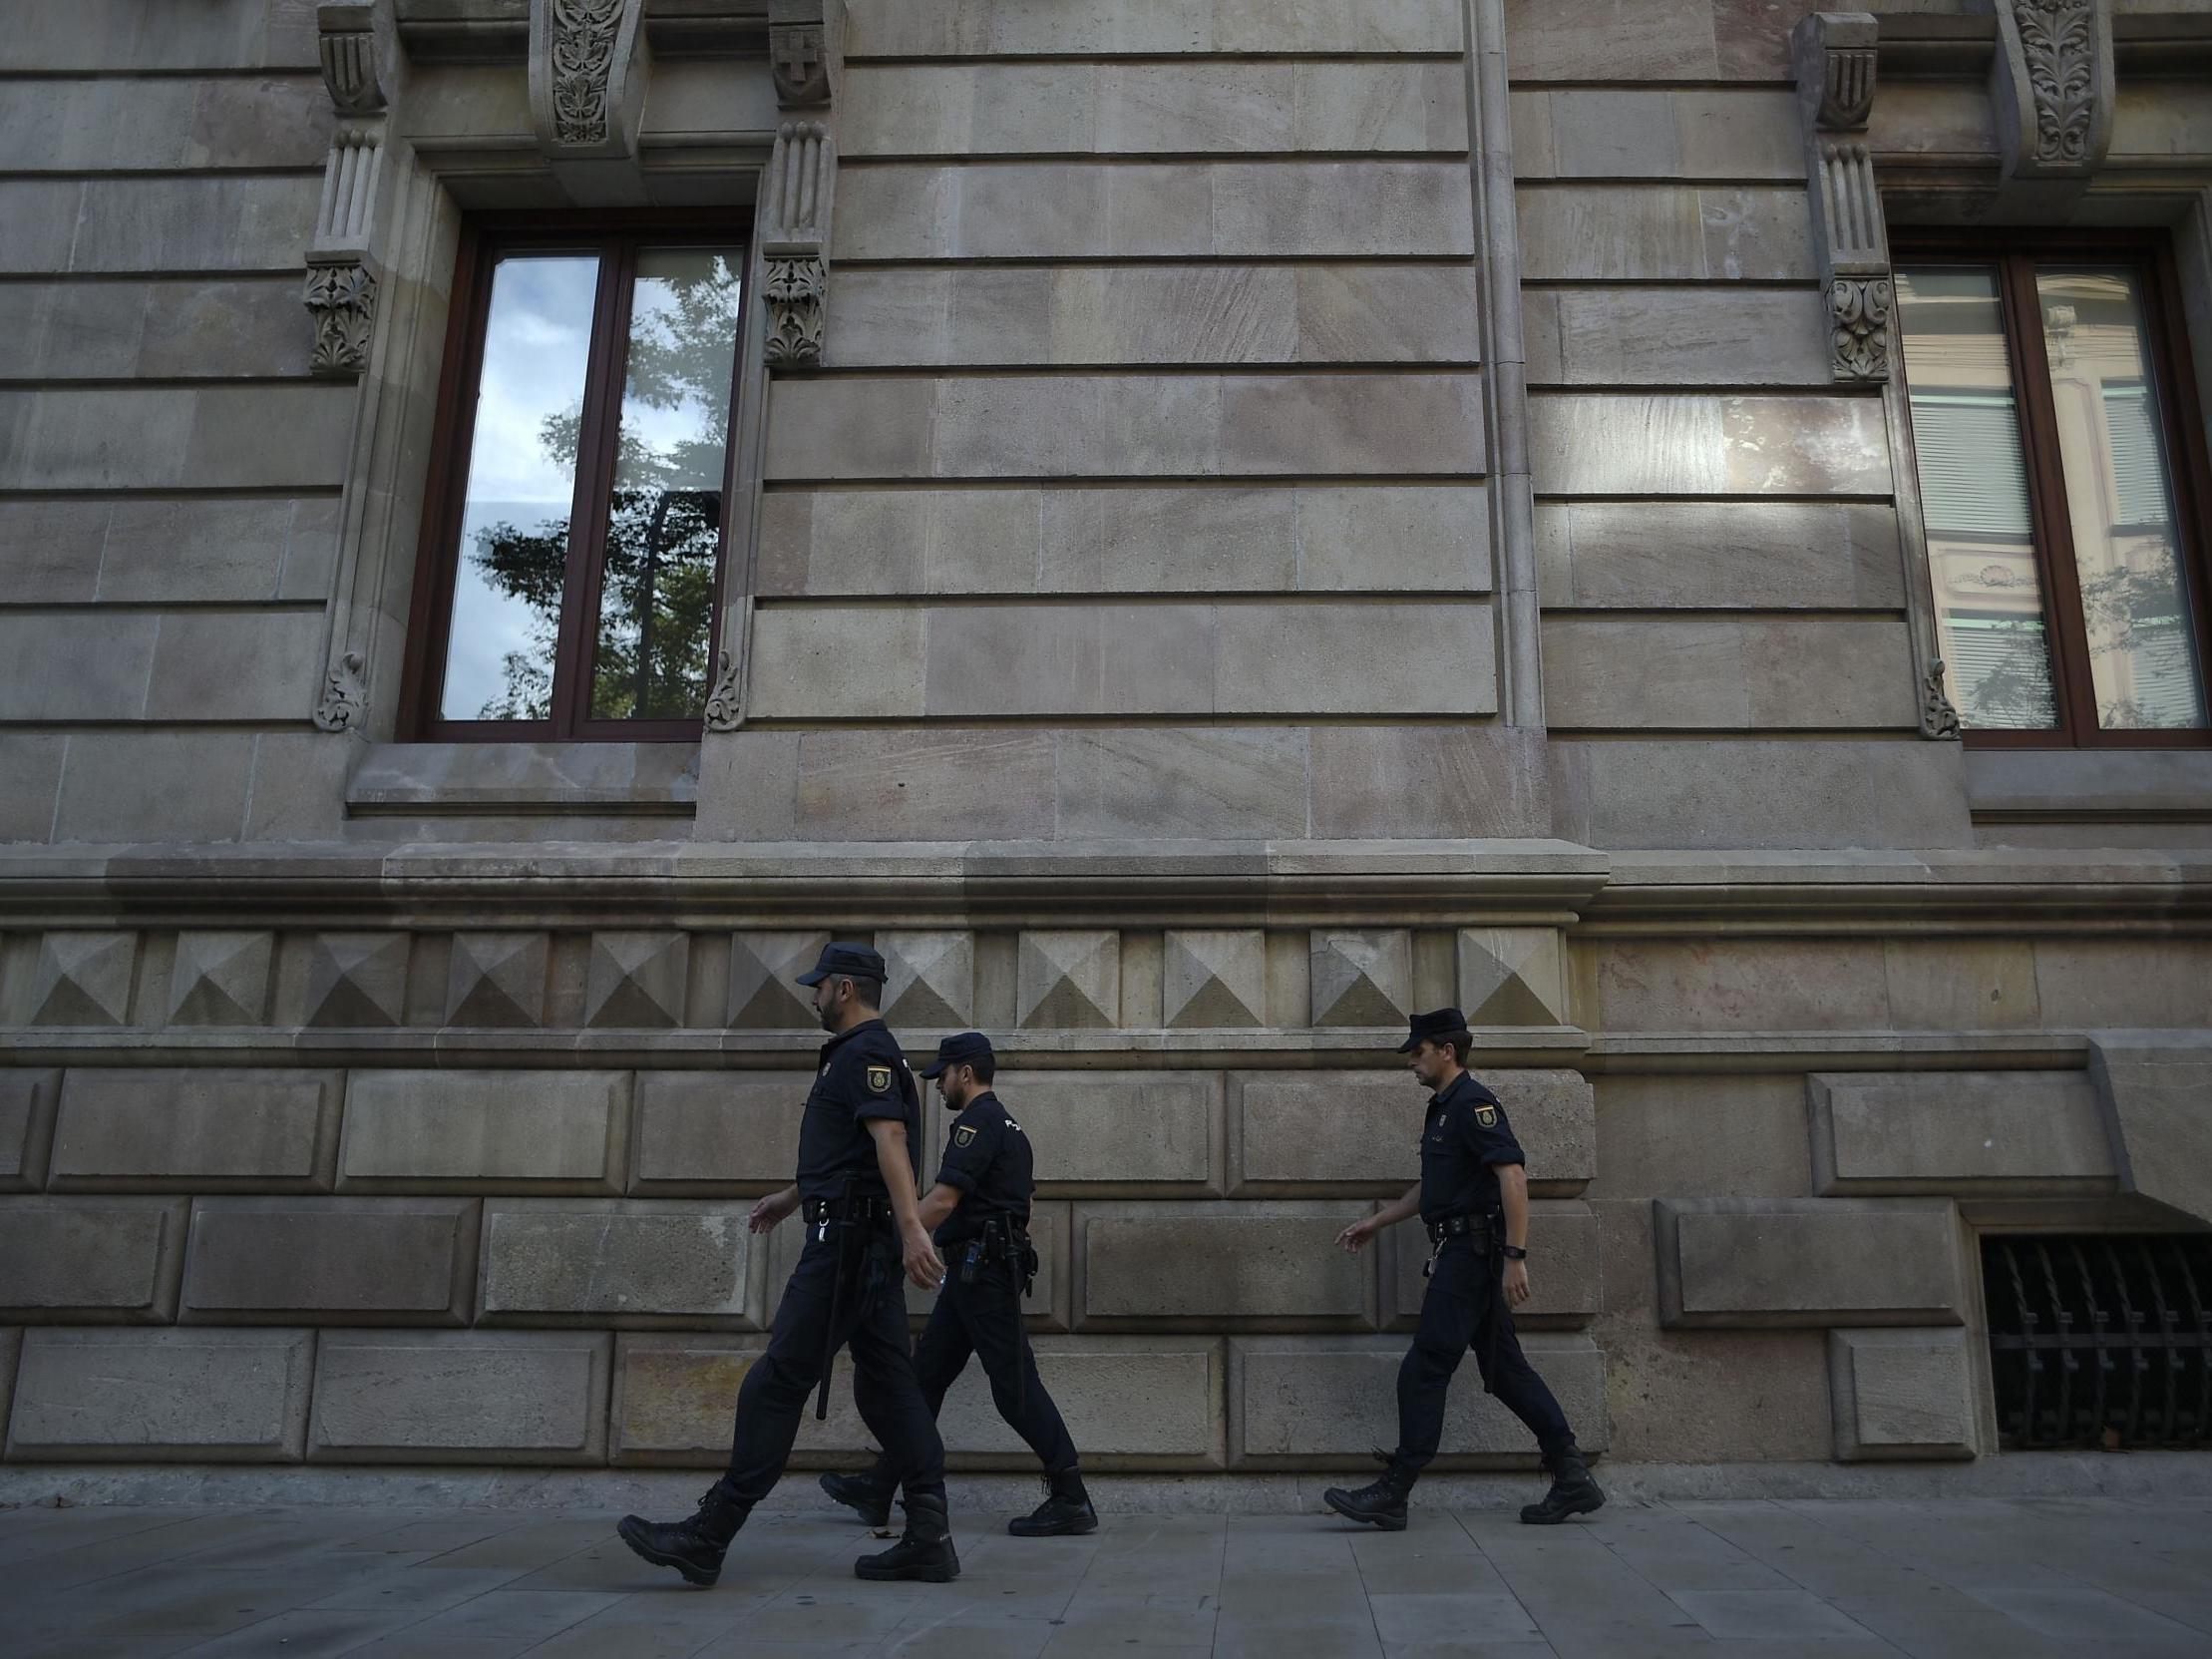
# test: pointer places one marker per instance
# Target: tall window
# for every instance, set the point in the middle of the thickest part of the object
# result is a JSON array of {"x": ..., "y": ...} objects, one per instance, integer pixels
[
  {"x": 2062, "y": 486},
  {"x": 573, "y": 535}
]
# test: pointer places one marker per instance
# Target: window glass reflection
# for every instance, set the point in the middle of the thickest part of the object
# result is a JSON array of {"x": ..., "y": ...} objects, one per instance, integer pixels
[
  {"x": 2135, "y": 602},
  {"x": 1973, "y": 496},
  {"x": 656, "y": 593},
  {"x": 522, "y": 484}
]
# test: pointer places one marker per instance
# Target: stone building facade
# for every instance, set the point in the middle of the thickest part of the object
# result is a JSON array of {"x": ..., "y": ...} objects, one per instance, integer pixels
[{"x": 1230, "y": 521}]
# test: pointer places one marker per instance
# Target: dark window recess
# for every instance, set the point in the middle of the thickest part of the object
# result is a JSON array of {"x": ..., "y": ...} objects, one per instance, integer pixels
[{"x": 2102, "y": 1341}]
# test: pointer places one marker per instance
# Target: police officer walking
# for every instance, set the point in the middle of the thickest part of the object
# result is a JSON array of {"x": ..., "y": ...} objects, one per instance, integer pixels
[
  {"x": 979, "y": 1207},
  {"x": 1473, "y": 1197},
  {"x": 864, "y": 1224}
]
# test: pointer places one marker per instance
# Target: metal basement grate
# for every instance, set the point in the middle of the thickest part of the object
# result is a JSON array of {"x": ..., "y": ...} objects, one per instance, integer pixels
[{"x": 2101, "y": 1340}]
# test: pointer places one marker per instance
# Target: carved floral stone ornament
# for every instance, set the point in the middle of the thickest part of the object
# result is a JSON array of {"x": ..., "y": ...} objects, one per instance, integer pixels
[
  {"x": 726, "y": 701},
  {"x": 2052, "y": 88},
  {"x": 795, "y": 290},
  {"x": 1938, "y": 718},
  {"x": 796, "y": 198},
  {"x": 583, "y": 48},
  {"x": 344, "y": 704},
  {"x": 1860, "y": 309},
  {"x": 342, "y": 299}
]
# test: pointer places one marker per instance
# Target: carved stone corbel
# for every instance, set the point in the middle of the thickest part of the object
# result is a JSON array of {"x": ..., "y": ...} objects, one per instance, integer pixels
[
  {"x": 797, "y": 195},
  {"x": 358, "y": 46},
  {"x": 1834, "y": 54},
  {"x": 799, "y": 53},
  {"x": 344, "y": 704},
  {"x": 588, "y": 67},
  {"x": 2052, "y": 86}
]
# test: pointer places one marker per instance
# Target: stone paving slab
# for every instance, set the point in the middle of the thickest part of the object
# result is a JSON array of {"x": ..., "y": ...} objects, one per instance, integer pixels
[{"x": 2006, "y": 1578}]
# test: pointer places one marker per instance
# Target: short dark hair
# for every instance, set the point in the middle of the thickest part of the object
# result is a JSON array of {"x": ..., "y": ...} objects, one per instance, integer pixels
[
  {"x": 1461, "y": 1043},
  {"x": 867, "y": 990},
  {"x": 986, "y": 1066}
]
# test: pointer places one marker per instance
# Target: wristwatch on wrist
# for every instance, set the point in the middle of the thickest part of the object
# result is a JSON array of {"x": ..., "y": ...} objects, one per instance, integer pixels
[{"x": 1513, "y": 1253}]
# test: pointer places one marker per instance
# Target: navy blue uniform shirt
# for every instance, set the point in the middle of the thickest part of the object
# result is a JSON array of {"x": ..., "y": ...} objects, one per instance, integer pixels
[
  {"x": 987, "y": 1156},
  {"x": 1466, "y": 1139},
  {"x": 862, "y": 1076}
]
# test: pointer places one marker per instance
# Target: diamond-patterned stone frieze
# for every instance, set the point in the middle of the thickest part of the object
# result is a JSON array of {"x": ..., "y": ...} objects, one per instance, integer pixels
[
  {"x": 636, "y": 978},
  {"x": 1362, "y": 978},
  {"x": 765, "y": 993},
  {"x": 82, "y": 979},
  {"x": 220, "y": 978},
  {"x": 1068, "y": 980},
  {"x": 496, "y": 978},
  {"x": 1512, "y": 977},
  {"x": 1215, "y": 979},
  {"x": 929, "y": 977},
  {"x": 357, "y": 978}
]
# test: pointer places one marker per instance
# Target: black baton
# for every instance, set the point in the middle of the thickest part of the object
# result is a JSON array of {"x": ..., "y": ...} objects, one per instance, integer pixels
[{"x": 844, "y": 1225}]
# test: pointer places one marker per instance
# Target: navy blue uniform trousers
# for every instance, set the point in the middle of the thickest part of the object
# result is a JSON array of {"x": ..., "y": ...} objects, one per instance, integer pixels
[
  {"x": 985, "y": 1319},
  {"x": 872, "y": 1324},
  {"x": 1465, "y": 1308}
]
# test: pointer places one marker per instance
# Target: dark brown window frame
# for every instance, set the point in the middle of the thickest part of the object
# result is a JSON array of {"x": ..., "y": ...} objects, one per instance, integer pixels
[
  {"x": 617, "y": 236},
  {"x": 2013, "y": 254}
]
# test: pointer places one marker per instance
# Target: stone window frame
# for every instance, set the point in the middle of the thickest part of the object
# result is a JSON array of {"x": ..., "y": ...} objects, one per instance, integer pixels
[
  {"x": 616, "y": 232},
  {"x": 2011, "y": 248}
]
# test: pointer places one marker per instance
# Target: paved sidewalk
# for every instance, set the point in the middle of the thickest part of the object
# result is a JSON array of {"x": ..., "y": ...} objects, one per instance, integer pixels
[{"x": 2013, "y": 1578}]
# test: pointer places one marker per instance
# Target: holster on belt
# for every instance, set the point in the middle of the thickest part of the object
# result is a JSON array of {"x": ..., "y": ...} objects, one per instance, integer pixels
[{"x": 1483, "y": 1233}]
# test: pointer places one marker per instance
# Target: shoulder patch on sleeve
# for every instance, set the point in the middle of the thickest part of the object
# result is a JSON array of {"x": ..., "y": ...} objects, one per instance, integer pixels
[
  {"x": 964, "y": 1135},
  {"x": 1486, "y": 1115},
  {"x": 879, "y": 1080}
]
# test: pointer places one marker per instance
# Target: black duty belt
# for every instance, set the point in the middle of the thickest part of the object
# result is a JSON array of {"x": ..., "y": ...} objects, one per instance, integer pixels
[
  {"x": 866, "y": 1211},
  {"x": 1476, "y": 1227}
]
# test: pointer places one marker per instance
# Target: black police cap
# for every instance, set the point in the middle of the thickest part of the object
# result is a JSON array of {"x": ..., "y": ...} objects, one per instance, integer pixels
[
  {"x": 842, "y": 955},
  {"x": 1431, "y": 1026},
  {"x": 962, "y": 1049}
]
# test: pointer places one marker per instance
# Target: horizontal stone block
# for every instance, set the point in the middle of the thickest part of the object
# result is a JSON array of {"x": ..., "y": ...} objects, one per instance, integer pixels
[
  {"x": 915, "y": 785},
  {"x": 1131, "y": 1402},
  {"x": 77, "y": 330},
  {"x": 1119, "y": 1131},
  {"x": 716, "y": 1131},
  {"x": 461, "y": 1396},
  {"x": 1720, "y": 556},
  {"x": 1063, "y": 108},
  {"x": 1234, "y": 783},
  {"x": 1146, "y": 211},
  {"x": 1566, "y": 1282},
  {"x": 105, "y": 1261},
  {"x": 104, "y": 124},
  {"x": 162, "y": 1396},
  {"x": 166, "y": 786},
  {"x": 1665, "y": 233},
  {"x": 27, "y": 1100},
  {"x": 1799, "y": 674},
  {"x": 1257, "y": 538},
  {"x": 1136, "y": 426},
  {"x": 1614, "y": 133},
  {"x": 1752, "y": 792},
  {"x": 550, "y": 1131},
  {"x": 356, "y": 1261},
  {"x": 113, "y": 36},
  {"x": 1361, "y": 1132},
  {"x": 2012, "y": 1133},
  {"x": 1297, "y": 1401},
  {"x": 1631, "y": 444},
  {"x": 1081, "y": 317},
  {"x": 78, "y": 665},
  {"x": 173, "y": 437},
  {"x": 1161, "y": 28},
  {"x": 2151, "y": 1089},
  {"x": 619, "y": 1262},
  {"x": 1240, "y": 1266},
  {"x": 206, "y": 224},
  {"x": 237, "y": 664},
  {"x": 1382, "y": 782},
  {"x": 197, "y": 1130},
  {"x": 1901, "y": 1394},
  {"x": 1757, "y": 985},
  {"x": 1776, "y": 1263},
  {"x": 1704, "y": 336}
]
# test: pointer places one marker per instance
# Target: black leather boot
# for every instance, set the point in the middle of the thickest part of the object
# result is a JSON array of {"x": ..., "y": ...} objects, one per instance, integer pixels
[
  {"x": 868, "y": 1492},
  {"x": 694, "y": 1547},
  {"x": 925, "y": 1553},
  {"x": 1380, "y": 1503},
  {"x": 1066, "y": 1509},
  {"x": 1573, "y": 1493}
]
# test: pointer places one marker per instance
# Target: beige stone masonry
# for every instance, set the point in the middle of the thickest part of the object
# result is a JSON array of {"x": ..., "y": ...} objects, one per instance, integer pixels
[
  {"x": 336, "y": 1261},
  {"x": 1612, "y": 133},
  {"x": 1657, "y": 556},
  {"x": 1131, "y": 1402},
  {"x": 1901, "y": 1394},
  {"x": 619, "y": 1262},
  {"x": 212, "y": 1129},
  {"x": 461, "y": 1396},
  {"x": 1776, "y": 1263},
  {"x": 1295, "y": 1402},
  {"x": 527, "y": 1130},
  {"x": 1728, "y": 673},
  {"x": 1990, "y": 1133},
  {"x": 27, "y": 1102},
  {"x": 716, "y": 1131},
  {"x": 1118, "y": 1132},
  {"x": 1162, "y": 28},
  {"x": 91, "y": 1261},
  {"x": 1223, "y": 1266},
  {"x": 2152, "y": 1091},
  {"x": 1566, "y": 1280},
  {"x": 1665, "y": 233},
  {"x": 162, "y": 1397}
]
